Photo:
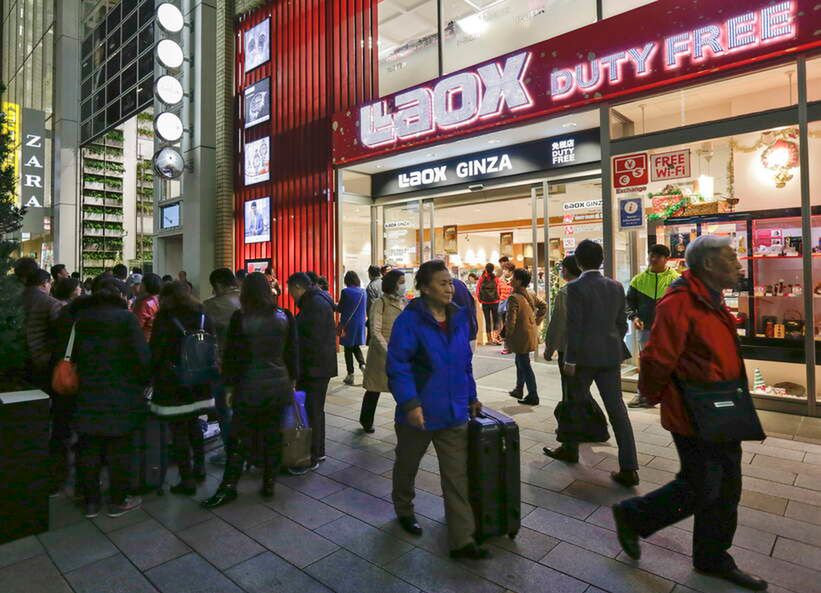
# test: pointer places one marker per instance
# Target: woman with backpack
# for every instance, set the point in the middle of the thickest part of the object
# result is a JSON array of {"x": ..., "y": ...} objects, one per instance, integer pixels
[
  {"x": 488, "y": 290},
  {"x": 260, "y": 363},
  {"x": 352, "y": 305},
  {"x": 525, "y": 313},
  {"x": 183, "y": 360}
]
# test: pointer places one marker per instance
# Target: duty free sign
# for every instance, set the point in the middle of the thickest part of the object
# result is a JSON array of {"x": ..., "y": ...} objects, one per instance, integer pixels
[{"x": 657, "y": 45}]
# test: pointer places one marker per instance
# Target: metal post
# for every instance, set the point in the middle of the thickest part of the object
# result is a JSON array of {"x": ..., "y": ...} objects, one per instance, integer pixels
[
  {"x": 546, "y": 225},
  {"x": 534, "y": 229},
  {"x": 607, "y": 193}
]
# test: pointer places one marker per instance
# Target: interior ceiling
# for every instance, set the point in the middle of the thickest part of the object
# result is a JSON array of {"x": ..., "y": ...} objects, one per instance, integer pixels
[{"x": 507, "y": 137}]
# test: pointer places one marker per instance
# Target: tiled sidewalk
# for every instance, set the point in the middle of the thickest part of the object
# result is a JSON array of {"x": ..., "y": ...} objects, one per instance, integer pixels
[{"x": 334, "y": 530}]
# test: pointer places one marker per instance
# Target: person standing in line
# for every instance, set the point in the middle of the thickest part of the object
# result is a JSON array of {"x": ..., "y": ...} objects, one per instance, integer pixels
[
  {"x": 260, "y": 364},
  {"x": 220, "y": 308},
  {"x": 147, "y": 304},
  {"x": 180, "y": 405},
  {"x": 58, "y": 272},
  {"x": 112, "y": 362},
  {"x": 317, "y": 348},
  {"x": 645, "y": 291},
  {"x": 693, "y": 340},
  {"x": 351, "y": 329},
  {"x": 463, "y": 297},
  {"x": 374, "y": 289},
  {"x": 525, "y": 313},
  {"x": 557, "y": 328},
  {"x": 430, "y": 374},
  {"x": 40, "y": 312},
  {"x": 271, "y": 276},
  {"x": 487, "y": 294},
  {"x": 66, "y": 290},
  {"x": 240, "y": 276},
  {"x": 595, "y": 352},
  {"x": 383, "y": 314},
  {"x": 120, "y": 272},
  {"x": 505, "y": 290}
]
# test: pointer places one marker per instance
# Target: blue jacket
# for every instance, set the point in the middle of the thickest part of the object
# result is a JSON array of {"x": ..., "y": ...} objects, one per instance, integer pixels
[
  {"x": 352, "y": 306},
  {"x": 430, "y": 367}
]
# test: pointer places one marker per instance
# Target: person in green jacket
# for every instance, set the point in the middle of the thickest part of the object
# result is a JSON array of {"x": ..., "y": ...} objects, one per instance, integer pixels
[{"x": 645, "y": 290}]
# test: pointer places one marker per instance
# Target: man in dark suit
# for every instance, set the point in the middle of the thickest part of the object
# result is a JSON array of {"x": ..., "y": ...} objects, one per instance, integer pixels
[{"x": 595, "y": 351}]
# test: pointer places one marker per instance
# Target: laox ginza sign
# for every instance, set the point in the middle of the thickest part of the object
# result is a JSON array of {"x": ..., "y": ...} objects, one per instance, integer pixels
[{"x": 497, "y": 88}]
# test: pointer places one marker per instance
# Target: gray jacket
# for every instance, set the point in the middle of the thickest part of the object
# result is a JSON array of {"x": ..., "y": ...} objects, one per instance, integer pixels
[
  {"x": 557, "y": 328},
  {"x": 596, "y": 312},
  {"x": 220, "y": 309}
]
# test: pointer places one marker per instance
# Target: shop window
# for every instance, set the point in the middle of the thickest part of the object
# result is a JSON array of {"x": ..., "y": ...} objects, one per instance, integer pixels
[
  {"x": 408, "y": 43},
  {"x": 815, "y": 191},
  {"x": 475, "y": 31},
  {"x": 355, "y": 231},
  {"x": 814, "y": 79},
  {"x": 400, "y": 235},
  {"x": 614, "y": 7},
  {"x": 742, "y": 95}
]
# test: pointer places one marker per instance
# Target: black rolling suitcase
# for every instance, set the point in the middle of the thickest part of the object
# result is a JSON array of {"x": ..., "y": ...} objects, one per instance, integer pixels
[
  {"x": 494, "y": 474},
  {"x": 150, "y": 461}
]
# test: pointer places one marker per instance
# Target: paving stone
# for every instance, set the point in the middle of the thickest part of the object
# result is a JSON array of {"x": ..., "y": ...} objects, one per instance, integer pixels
[
  {"x": 804, "y": 512},
  {"x": 219, "y": 543},
  {"x": 786, "y": 465},
  {"x": 783, "y": 490},
  {"x": 528, "y": 543},
  {"x": 292, "y": 541},
  {"x": 313, "y": 484},
  {"x": 111, "y": 575},
  {"x": 63, "y": 512},
  {"x": 20, "y": 549},
  {"x": 810, "y": 482},
  {"x": 797, "y": 553},
  {"x": 434, "y": 574},
  {"x": 578, "y": 532},
  {"x": 108, "y": 524},
  {"x": 176, "y": 512},
  {"x": 33, "y": 575},
  {"x": 771, "y": 451},
  {"x": 76, "y": 545},
  {"x": 346, "y": 573},
  {"x": 362, "y": 506},
  {"x": 363, "y": 480},
  {"x": 245, "y": 512},
  {"x": 364, "y": 540},
  {"x": 647, "y": 473},
  {"x": 598, "y": 494},
  {"x": 268, "y": 573},
  {"x": 786, "y": 574},
  {"x": 434, "y": 536},
  {"x": 553, "y": 477},
  {"x": 331, "y": 465},
  {"x": 427, "y": 504},
  {"x": 566, "y": 505},
  {"x": 190, "y": 574},
  {"x": 302, "y": 508},
  {"x": 606, "y": 573},
  {"x": 783, "y": 526},
  {"x": 148, "y": 544},
  {"x": 795, "y": 445},
  {"x": 764, "y": 502}
]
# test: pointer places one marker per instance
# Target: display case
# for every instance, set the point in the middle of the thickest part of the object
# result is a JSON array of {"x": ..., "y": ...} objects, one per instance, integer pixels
[{"x": 768, "y": 302}]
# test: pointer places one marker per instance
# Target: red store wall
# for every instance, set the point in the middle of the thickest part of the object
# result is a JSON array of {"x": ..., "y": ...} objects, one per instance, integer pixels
[{"x": 323, "y": 60}]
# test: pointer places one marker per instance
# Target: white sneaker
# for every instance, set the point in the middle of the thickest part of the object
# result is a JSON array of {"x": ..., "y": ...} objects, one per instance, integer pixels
[{"x": 131, "y": 503}]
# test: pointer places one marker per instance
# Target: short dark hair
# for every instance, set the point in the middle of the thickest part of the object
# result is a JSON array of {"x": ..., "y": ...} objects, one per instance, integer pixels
[
  {"x": 107, "y": 285},
  {"x": 385, "y": 269},
  {"x": 374, "y": 272},
  {"x": 177, "y": 295},
  {"x": 222, "y": 277},
  {"x": 523, "y": 276},
  {"x": 473, "y": 275},
  {"x": 391, "y": 281},
  {"x": 241, "y": 275},
  {"x": 38, "y": 278},
  {"x": 56, "y": 269},
  {"x": 25, "y": 267},
  {"x": 300, "y": 280},
  {"x": 489, "y": 268},
  {"x": 313, "y": 276},
  {"x": 256, "y": 297},
  {"x": 424, "y": 275},
  {"x": 75, "y": 275},
  {"x": 322, "y": 283},
  {"x": 504, "y": 259},
  {"x": 659, "y": 249},
  {"x": 136, "y": 270},
  {"x": 589, "y": 255},
  {"x": 64, "y": 287},
  {"x": 167, "y": 278},
  {"x": 352, "y": 279},
  {"x": 569, "y": 264},
  {"x": 152, "y": 284},
  {"x": 120, "y": 271}
]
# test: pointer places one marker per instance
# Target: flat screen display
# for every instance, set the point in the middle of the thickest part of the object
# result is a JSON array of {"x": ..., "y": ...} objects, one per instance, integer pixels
[
  {"x": 258, "y": 220},
  {"x": 170, "y": 216},
  {"x": 257, "y": 42},
  {"x": 258, "y": 103},
  {"x": 257, "y": 161}
]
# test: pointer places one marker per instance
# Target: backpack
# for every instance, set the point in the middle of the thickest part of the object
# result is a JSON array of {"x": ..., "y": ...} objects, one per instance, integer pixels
[
  {"x": 197, "y": 364},
  {"x": 488, "y": 290}
]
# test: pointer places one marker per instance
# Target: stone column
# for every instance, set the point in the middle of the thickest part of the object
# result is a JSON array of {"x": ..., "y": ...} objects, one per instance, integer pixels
[{"x": 224, "y": 211}]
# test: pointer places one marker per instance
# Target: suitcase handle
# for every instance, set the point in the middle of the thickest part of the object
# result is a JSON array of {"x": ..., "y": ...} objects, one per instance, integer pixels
[{"x": 481, "y": 414}]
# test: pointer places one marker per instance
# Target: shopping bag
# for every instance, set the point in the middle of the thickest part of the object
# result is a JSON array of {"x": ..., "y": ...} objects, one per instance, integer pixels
[
  {"x": 579, "y": 417},
  {"x": 296, "y": 435}
]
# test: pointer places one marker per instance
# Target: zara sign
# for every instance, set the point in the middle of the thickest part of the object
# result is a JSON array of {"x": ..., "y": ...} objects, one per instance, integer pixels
[{"x": 33, "y": 158}]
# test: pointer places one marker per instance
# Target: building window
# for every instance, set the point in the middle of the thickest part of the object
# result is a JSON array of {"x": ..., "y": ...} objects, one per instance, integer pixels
[
  {"x": 814, "y": 79},
  {"x": 408, "y": 43}
]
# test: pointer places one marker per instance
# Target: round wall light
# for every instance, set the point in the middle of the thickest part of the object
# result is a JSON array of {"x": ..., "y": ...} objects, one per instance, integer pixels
[
  {"x": 168, "y": 126},
  {"x": 168, "y": 89},
  {"x": 169, "y": 53},
  {"x": 170, "y": 18},
  {"x": 168, "y": 163}
]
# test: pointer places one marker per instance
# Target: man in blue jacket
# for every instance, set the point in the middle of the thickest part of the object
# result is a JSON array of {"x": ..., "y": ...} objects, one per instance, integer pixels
[{"x": 430, "y": 373}]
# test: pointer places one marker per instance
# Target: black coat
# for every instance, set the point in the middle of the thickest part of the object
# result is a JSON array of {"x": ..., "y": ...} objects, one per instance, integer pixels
[
  {"x": 170, "y": 399},
  {"x": 317, "y": 335},
  {"x": 112, "y": 361}
]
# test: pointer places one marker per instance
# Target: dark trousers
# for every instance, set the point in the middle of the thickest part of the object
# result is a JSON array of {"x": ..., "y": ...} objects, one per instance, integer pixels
[
  {"x": 187, "y": 438},
  {"x": 256, "y": 437},
  {"x": 117, "y": 452},
  {"x": 368, "y": 411},
  {"x": 315, "y": 391},
  {"x": 491, "y": 313},
  {"x": 525, "y": 375},
  {"x": 708, "y": 486},
  {"x": 62, "y": 415},
  {"x": 608, "y": 380},
  {"x": 223, "y": 410},
  {"x": 565, "y": 378},
  {"x": 350, "y": 353}
]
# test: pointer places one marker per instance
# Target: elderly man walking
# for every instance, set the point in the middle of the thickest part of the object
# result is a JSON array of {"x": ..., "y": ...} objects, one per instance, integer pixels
[{"x": 694, "y": 343}]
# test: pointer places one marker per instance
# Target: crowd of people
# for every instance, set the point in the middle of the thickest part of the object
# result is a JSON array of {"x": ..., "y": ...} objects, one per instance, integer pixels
[{"x": 126, "y": 334}]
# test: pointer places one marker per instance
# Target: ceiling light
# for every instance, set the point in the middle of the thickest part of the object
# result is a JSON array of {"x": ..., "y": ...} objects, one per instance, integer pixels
[
  {"x": 169, "y": 53},
  {"x": 570, "y": 124},
  {"x": 494, "y": 141},
  {"x": 170, "y": 18},
  {"x": 474, "y": 25}
]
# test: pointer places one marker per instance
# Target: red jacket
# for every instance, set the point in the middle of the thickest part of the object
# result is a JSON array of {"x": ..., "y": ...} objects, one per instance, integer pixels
[
  {"x": 694, "y": 338},
  {"x": 499, "y": 288},
  {"x": 146, "y": 308}
]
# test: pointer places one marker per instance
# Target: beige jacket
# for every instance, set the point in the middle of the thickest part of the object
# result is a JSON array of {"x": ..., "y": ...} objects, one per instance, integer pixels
[
  {"x": 383, "y": 313},
  {"x": 525, "y": 313}
]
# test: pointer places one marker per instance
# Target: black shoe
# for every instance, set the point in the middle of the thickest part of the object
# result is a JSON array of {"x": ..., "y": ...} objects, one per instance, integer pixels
[
  {"x": 411, "y": 525},
  {"x": 640, "y": 402},
  {"x": 626, "y": 477},
  {"x": 184, "y": 488},
  {"x": 517, "y": 393},
  {"x": 628, "y": 538},
  {"x": 267, "y": 490},
  {"x": 562, "y": 454},
  {"x": 221, "y": 497},
  {"x": 471, "y": 552},
  {"x": 530, "y": 400},
  {"x": 369, "y": 429},
  {"x": 738, "y": 577}
]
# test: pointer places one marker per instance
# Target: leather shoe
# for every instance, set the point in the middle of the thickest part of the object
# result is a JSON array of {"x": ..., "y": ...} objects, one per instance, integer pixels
[
  {"x": 530, "y": 400},
  {"x": 411, "y": 525},
  {"x": 562, "y": 454},
  {"x": 471, "y": 552},
  {"x": 738, "y": 577},
  {"x": 517, "y": 393},
  {"x": 222, "y": 497},
  {"x": 626, "y": 477},
  {"x": 628, "y": 538}
]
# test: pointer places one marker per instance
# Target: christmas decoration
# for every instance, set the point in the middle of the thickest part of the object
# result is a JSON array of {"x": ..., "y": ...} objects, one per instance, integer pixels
[{"x": 758, "y": 380}]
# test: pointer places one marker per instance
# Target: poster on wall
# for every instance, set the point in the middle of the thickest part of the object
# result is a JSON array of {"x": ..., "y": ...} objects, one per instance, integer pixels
[
  {"x": 506, "y": 244},
  {"x": 670, "y": 165},
  {"x": 257, "y": 161},
  {"x": 258, "y": 220},
  {"x": 257, "y": 42},
  {"x": 257, "y": 265},
  {"x": 258, "y": 103},
  {"x": 451, "y": 241}
]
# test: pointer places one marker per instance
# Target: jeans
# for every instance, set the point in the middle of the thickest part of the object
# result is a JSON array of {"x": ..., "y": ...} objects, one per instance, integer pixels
[
  {"x": 491, "y": 313},
  {"x": 708, "y": 486},
  {"x": 525, "y": 375},
  {"x": 315, "y": 391},
  {"x": 118, "y": 452},
  {"x": 350, "y": 353}
]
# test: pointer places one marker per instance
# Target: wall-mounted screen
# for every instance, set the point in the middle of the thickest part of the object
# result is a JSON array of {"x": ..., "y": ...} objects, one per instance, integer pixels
[
  {"x": 257, "y": 45},
  {"x": 258, "y": 103},
  {"x": 257, "y": 161},
  {"x": 258, "y": 220},
  {"x": 257, "y": 265},
  {"x": 170, "y": 216}
]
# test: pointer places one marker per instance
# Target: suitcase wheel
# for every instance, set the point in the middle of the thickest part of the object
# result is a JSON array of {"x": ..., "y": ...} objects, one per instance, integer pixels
[{"x": 513, "y": 534}]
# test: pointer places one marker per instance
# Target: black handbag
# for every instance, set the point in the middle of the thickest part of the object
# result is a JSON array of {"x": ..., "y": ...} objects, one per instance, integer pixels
[
  {"x": 723, "y": 411},
  {"x": 580, "y": 419}
]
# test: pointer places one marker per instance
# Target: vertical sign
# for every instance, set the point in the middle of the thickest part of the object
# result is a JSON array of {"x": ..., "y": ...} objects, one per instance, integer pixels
[{"x": 33, "y": 159}]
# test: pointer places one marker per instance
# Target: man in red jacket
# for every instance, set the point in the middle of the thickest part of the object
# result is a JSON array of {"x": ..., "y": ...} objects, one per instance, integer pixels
[{"x": 693, "y": 338}]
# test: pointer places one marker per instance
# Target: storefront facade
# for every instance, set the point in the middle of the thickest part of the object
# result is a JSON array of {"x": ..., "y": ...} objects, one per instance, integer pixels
[{"x": 696, "y": 121}]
